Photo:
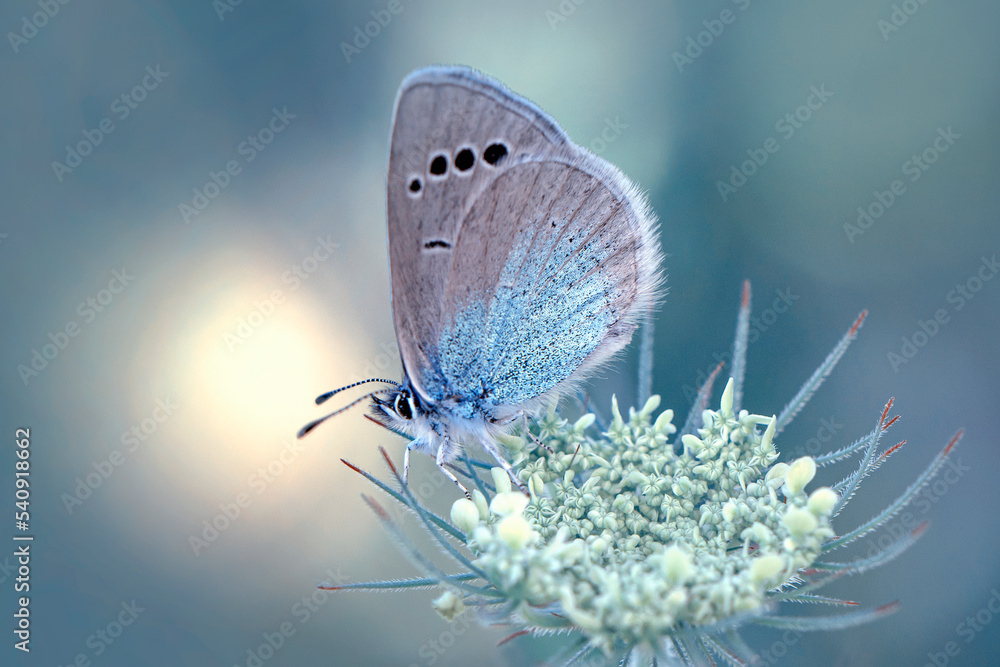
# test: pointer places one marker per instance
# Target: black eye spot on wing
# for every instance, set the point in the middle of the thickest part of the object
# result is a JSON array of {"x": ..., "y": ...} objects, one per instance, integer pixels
[
  {"x": 494, "y": 153},
  {"x": 439, "y": 165},
  {"x": 415, "y": 185},
  {"x": 464, "y": 159}
]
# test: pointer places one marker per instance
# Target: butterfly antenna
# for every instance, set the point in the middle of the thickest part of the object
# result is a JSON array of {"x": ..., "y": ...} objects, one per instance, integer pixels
[
  {"x": 323, "y": 398},
  {"x": 304, "y": 431}
]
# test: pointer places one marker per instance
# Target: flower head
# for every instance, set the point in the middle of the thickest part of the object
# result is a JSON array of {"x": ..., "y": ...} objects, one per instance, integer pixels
[
  {"x": 634, "y": 537},
  {"x": 645, "y": 539}
]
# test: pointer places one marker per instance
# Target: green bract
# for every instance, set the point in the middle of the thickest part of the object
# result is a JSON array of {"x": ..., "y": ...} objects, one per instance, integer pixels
[{"x": 648, "y": 541}]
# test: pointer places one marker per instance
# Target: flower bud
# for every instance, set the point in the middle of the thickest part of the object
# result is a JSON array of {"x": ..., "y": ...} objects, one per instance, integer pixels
[
  {"x": 584, "y": 422},
  {"x": 652, "y": 403},
  {"x": 616, "y": 415},
  {"x": 535, "y": 485},
  {"x": 768, "y": 436},
  {"x": 799, "y": 522},
  {"x": 513, "y": 443},
  {"x": 822, "y": 501},
  {"x": 599, "y": 546},
  {"x": 465, "y": 515},
  {"x": 515, "y": 531},
  {"x": 663, "y": 422},
  {"x": 727, "y": 400},
  {"x": 800, "y": 473},
  {"x": 766, "y": 568},
  {"x": 676, "y": 565},
  {"x": 448, "y": 605},
  {"x": 677, "y": 598},
  {"x": 501, "y": 480},
  {"x": 481, "y": 503},
  {"x": 692, "y": 444},
  {"x": 508, "y": 504},
  {"x": 776, "y": 475},
  {"x": 762, "y": 534}
]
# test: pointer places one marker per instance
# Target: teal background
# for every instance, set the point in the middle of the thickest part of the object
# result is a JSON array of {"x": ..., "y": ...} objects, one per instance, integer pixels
[{"x": 297, "y": 235}]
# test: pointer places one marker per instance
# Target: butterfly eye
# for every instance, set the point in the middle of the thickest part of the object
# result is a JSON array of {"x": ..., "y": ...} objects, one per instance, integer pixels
[{"x": 402, "y": 407}]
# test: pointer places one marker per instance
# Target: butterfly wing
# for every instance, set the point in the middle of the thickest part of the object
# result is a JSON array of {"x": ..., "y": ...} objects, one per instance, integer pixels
[{"x": 515, "y": 275}]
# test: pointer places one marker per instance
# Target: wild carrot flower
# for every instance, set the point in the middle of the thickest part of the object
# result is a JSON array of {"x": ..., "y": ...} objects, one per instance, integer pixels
[{"x": 652, "y": 542}]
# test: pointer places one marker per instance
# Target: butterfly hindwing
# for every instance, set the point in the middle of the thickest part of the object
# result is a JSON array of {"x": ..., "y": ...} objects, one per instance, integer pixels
[{"x": 539, "y": 294}]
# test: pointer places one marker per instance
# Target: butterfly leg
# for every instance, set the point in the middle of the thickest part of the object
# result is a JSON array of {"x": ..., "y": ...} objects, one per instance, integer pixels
[
  {"x": 406, "y": 461},
  {"x": 441, "y": 464},
  {"x": 524, "y": 423},
  {"x": 533, "y": 437},
  {"x": 491, "y": 446}
]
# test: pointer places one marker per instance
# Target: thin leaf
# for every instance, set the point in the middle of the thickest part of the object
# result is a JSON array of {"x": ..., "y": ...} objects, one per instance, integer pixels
[
  {"x": 804, "y": 589},
  {"x": 702, "y": 646},
  {"x": 580, "y": 655},
  {"x": 901, "y": 502},
  {"x": 398, "y": 584},
  {"x": 398, "y": 497},
  {"x": 875, "y": 464},
  {"x": 474, "y": 475},
  {"x": 739, "y": 365},
  {"x": 485, "y": 465},
  {"x": 881, "y": 558},
  {"x": 514, "y": 635},
  {"x": 730, "y": 623},
  {"x": 837, "y": 622},
  {"x": 740, "y": 647},
  {"x": 854, "y": 480},
  {"x": 418, "y": 559},
  {"x": 812, "y": 384},
  {"x": 821, "y": 599},
  {"x": 844, "y": 452},
  {"x": 565, "y": 657},
  {"x": 683, "y": 650},
  {"x": 723, "y": 651},
  {"x": 427, "y": 518}
]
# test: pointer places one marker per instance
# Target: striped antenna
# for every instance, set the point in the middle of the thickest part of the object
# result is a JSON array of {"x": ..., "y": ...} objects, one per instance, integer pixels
[
  {"x": 316, "y": 422},
  {"x": 323, "y": 398}
]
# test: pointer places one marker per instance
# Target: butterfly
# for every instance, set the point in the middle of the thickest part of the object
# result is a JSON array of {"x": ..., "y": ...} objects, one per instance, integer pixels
[{"x": 519, "y": 263}]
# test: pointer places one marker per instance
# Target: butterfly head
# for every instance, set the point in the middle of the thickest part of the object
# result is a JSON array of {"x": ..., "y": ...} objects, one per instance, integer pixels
[
  {"x": 395, "y": 412},
  {"x": 400, "y": 410},
  {"x": 406, "y": 412}
]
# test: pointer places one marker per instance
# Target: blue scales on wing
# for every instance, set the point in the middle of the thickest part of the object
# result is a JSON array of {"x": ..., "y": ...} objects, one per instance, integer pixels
[{"x": 543, "y": 285}]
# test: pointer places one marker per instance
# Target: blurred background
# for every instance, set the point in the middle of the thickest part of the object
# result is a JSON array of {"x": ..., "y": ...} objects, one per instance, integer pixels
[{"x": 193, "y": 246}]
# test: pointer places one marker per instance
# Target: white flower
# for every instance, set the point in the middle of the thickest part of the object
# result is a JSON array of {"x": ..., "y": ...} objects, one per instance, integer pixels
[{"x": 646, "y": 539}]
